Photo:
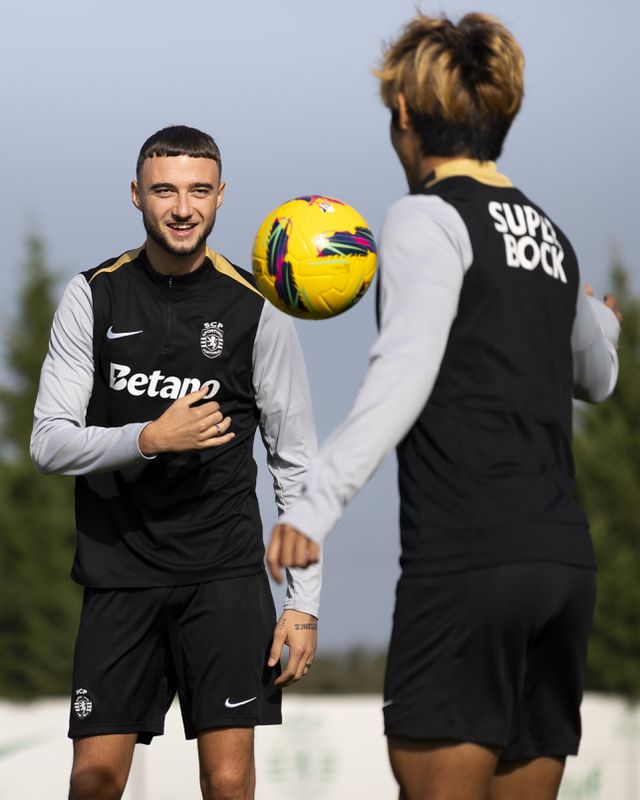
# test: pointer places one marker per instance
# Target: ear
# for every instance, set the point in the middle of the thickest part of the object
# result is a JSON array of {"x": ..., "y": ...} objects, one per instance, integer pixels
[
  {"x": 404, "y": 120},
  {"x": 220, "y": 197},
  {"x": 135, "y": 194}
]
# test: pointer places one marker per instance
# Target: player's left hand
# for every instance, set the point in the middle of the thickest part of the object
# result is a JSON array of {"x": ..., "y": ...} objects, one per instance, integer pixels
[
  {"x": 609, "y": 300},
  {"x": 299, "y": 631},
  {"x": 289, "y": 548}
]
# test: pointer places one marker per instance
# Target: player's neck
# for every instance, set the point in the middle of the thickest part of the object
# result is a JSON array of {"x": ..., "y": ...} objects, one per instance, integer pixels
[
  {"x": 171, "y": 264},
  {"x": 424, "y": 166}
]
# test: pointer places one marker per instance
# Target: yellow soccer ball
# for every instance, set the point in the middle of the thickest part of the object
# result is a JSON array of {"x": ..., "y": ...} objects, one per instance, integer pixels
[{"x": 314, "y": 257}]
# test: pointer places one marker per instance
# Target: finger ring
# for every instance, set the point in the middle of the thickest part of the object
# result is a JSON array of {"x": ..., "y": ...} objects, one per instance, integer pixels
[
  {"x": 308, "y": 665},
  {"x": 218, "y": 428}
]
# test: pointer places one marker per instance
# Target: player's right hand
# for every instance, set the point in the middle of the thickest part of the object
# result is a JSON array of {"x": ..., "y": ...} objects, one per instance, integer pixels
[
  {"x": 289, "y": 548},
  {"x": 186, "y": 426}
]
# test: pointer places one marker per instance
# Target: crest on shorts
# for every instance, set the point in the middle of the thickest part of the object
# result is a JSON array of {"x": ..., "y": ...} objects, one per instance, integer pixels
[
  {"x": 211, "y": 339},
  {"x": 83, "y": 704}
]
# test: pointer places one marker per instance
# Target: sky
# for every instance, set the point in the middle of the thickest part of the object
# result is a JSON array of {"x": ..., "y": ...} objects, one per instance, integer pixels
[{"x": 287, "y": 91}]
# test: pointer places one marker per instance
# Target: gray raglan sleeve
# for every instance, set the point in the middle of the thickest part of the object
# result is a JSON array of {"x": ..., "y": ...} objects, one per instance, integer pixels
[
  {"x": 288, "y": 431},
  {"x": 61, "y": 442},
  {"x": 424, "y": 253},
  {"x": 594, "y": 342}
]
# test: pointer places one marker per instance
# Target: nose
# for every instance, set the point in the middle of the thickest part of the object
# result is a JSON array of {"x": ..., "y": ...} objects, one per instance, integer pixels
[{"x": 182, "y": 208}]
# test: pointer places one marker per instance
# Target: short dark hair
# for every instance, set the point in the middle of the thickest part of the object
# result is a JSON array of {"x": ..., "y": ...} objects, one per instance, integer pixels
[
  {"x": 463, "y": 84},
  {"x": 179, "y": 140}
]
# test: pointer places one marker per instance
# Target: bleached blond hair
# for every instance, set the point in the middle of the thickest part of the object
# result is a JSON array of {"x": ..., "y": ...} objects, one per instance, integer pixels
[{"x": 463, "y": 84}]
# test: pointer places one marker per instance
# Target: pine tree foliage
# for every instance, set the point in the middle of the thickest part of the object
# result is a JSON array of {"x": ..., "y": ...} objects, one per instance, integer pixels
[
  {"x": 39, "y": 605},
  {"x": 607, "y": 451}
]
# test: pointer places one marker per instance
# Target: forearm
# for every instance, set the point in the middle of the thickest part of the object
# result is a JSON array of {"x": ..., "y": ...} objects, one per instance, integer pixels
[
  {"x": 62, "y": 447},
  {"x": 303, "y": 588}
]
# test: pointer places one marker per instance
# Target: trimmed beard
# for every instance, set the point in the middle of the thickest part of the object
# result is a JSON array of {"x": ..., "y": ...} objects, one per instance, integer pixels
[{"x": 160, "y": 238}]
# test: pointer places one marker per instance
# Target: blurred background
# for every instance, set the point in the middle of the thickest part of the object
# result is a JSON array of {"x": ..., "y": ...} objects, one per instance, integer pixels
[{"x": 286, "y": 90}]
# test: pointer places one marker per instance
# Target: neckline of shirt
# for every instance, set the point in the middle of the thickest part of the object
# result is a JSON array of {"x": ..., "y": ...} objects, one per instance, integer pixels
[
  {"x": 482, "y": 171},
  {"x": 187, "y": 281}
]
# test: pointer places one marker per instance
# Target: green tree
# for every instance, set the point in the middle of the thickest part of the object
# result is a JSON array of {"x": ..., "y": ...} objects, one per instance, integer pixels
[
  {"x": 607, "y": 451},
  {"x": 39, "y": 605}
]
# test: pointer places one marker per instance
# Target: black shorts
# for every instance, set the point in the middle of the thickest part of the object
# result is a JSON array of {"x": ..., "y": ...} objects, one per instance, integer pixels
[
  {"x": 209, "y": 642},
  {"x": 493, "y": 656}
]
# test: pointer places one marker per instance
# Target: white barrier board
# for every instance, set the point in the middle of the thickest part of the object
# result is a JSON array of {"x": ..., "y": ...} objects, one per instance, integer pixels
[{"x": 330, "y": 748}]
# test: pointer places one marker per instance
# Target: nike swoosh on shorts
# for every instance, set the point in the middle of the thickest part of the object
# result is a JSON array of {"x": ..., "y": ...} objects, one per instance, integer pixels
[{"x": 229, "y": 704}]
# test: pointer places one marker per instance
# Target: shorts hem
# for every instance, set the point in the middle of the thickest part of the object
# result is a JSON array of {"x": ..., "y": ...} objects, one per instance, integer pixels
[
  {"x": 473, "y": 737},
  {"x": 529, "y": 751},
  {"x": 144, "y": 731},
  {"x": 520, "y": 752},
  {"x": 231, "y": 722}
]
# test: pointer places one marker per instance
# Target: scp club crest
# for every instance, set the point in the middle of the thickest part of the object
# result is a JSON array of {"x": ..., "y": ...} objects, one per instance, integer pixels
[
  {"x": 82, "y": 705},
  {"x": 211, "y": 339}
]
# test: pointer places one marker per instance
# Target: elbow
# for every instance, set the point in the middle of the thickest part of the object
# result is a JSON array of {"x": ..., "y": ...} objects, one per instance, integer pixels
[
  {"x": 594, "y": 394},
  {"x": 599, "y": 396},
  {"x": 42, "y": 466},
  {"x": 38, "y": 457},
  {"x": 595, "y": 379},
  {"x": 45, "y": 469}
]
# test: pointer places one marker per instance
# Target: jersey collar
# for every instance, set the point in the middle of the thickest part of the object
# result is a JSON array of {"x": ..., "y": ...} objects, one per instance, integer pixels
[
  {"x": 189, "y": 282},
  {"x": 481, "y": 171}
]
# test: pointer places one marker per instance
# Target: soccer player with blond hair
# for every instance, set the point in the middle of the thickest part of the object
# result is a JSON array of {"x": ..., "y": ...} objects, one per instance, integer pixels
[{"x": 485, "y": 338}]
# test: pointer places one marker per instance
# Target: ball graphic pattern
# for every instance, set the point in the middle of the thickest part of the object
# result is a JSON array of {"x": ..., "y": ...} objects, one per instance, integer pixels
[{"x": 314, "y": 257}]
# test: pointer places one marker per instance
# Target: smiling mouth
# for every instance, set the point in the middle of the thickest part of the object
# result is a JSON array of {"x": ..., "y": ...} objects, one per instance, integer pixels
[{"x": 181, "y": 228}]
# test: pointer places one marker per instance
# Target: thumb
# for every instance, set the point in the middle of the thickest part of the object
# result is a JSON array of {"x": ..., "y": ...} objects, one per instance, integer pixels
[{"x": 279, "y": 637}]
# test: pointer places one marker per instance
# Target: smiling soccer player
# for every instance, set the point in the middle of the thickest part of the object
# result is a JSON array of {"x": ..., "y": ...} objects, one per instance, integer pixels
[{"x": 163, "y": 362}]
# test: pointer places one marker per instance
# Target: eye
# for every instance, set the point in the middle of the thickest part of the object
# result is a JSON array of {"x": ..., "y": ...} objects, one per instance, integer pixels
[
  {"x": 202, "y": 192},
  {"x": 163, "y": 191}
]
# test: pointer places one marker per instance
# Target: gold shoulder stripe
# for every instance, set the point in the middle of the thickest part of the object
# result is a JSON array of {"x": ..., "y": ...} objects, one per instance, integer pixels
[
  {"x": 481, "y": 171},
  {"x": 125, "y": 258},
  {"x": 226, "y": 268}
]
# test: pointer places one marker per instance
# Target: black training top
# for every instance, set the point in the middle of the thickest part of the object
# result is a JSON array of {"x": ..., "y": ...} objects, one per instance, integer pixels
[
  {"x": 486, "y": 472},
  {"x": 126, "y": 343},
  {"x": 484, "y": 336}
]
